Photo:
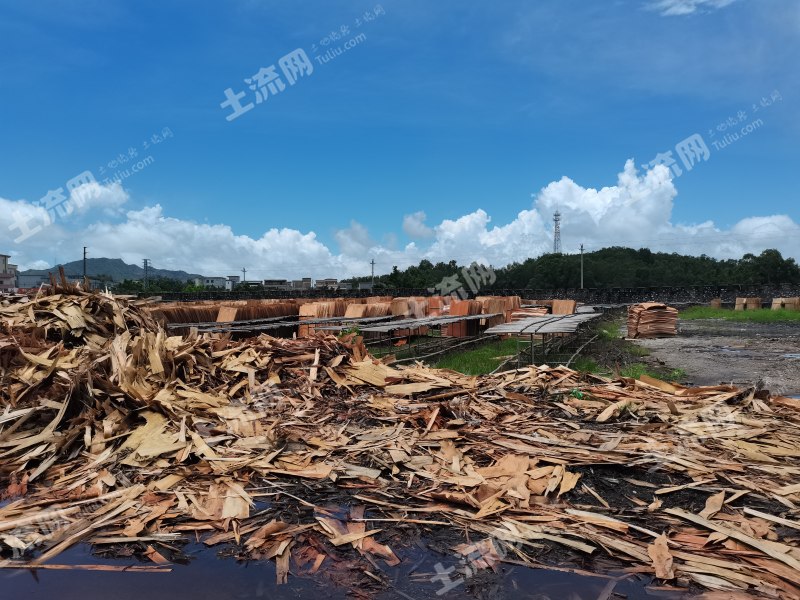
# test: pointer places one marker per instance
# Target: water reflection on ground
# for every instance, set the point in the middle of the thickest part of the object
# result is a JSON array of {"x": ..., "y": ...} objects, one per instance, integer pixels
[{"x": 207, "y": 576}]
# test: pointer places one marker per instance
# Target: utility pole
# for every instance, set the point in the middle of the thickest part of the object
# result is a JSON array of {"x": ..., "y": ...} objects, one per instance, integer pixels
[
  {"x": 146, "y": 263},
  {"x": 581, "y": 266},
  {"x": 84, "y": 263},
  {"x": 244, "y": 274},
  {"x": 372, "y": 262}
]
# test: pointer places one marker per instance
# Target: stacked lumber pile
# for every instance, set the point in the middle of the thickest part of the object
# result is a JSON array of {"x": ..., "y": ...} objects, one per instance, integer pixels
[
  {"x": 235, "y": 310},
  {"x": 506, "y": 305},
  {"x": 436, "y": 306},
  {"x": 319, "y": 310},
  {"x": 491, "y": 305},
  {"x": 264, "y": 309},
  {"x": 547, "y": 303},
  {"x": 563, "y": 307},
  {"x": 463, "y": 308},
  {"x": 372, "y": 309},
  {"x": 748, "y": 304},
  {"x": 200, "y": 312},
  {"x": 513, "y": 303},
  {"x": 355, "y": 310},
  {"x": 400, "y": 307},
  {"x": 417, "y": 307},
  {"x": 527, "y": 312},
  {"x": 410, "y": 308},
  {"x": 753, "y": 304},
  {"x": 652, "y": 319},
  {"x": 114, "y": 432},
  {"x": 786, "y": 304}
]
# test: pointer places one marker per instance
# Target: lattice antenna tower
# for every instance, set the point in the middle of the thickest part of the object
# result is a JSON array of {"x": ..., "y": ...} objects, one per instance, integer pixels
[{"x": 557, "y": 232}]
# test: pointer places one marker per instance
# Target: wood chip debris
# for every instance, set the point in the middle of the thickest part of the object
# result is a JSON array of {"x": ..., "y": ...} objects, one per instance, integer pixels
[{"x": 114, "y": 431}]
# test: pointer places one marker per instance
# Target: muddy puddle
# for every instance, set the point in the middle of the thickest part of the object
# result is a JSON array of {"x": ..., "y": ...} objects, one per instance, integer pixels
[{"x": 206, "y": 575}]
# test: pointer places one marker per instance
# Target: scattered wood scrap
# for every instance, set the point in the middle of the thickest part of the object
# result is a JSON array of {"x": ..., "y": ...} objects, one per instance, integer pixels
[{"x": 113, "y": 431}]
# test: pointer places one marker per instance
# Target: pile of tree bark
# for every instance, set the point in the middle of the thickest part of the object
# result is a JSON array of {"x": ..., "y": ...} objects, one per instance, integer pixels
[{"x": 117, "y": 434}]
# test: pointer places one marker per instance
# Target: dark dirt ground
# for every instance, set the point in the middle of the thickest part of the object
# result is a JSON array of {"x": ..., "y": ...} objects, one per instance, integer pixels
[{"x": 713, "y": 351}]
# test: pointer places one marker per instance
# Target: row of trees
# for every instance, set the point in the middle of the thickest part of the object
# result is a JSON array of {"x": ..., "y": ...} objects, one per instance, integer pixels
[
  {"x": 155, "y": 285},
  {"x": 612, "y": 267},
  {"x": 606, "y": 268},
  {"x": 625, "y": 267}
]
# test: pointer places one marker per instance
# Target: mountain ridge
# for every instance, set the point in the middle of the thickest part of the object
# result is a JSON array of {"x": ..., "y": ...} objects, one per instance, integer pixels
[{"x": 115, "y": 268}]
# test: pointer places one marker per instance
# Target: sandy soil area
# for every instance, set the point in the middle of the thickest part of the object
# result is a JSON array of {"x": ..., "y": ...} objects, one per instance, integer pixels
[{"x": 715, "y": 351}]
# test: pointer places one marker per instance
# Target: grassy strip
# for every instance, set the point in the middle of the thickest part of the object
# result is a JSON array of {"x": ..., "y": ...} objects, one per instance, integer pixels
[
  {"x": 610, "y": 356},
  {"x": 480, "y": 360},
  {"x": 762, "y": 315},
  {"x": 635, "y": 370}
]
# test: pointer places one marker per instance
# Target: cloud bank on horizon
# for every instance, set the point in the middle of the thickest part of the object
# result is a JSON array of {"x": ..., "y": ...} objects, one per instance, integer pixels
[{"x": 635, "y": 212}]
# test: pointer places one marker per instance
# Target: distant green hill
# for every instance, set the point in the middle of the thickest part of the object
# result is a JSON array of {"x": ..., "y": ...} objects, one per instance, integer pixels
[
  {"x": 604, "y": 268},
  {"x": 115, "y": 268}
]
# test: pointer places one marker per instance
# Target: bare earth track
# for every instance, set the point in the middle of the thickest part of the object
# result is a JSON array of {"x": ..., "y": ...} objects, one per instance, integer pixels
[{"x": 714, "y": 351}]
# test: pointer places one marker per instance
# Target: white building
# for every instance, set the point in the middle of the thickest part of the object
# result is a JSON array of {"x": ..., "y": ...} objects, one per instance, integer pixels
[
  {"x": 215, "y": 282},
  {"x": 302, "y": 284},
  {"x": 277, "y": 284},
  {"x": 8, "y": 274},
  {"x": 327, "y": 284},
  {"x": 32, "y": 281}
]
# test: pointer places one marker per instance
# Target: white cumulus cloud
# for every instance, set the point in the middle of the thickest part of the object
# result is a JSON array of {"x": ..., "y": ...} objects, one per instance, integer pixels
[
  {"x": 673, "y": 8},
  {"x": 414, "y": 226},
  {"x": 92, "y": 196},
  {"x": 636, "y": 211}
]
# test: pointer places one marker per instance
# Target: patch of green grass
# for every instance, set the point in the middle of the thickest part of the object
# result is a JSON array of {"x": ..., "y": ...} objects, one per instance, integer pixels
[
  {"x": 414, "y": 347},
  {"x": 762, "y": 315},
  {"x": 585, "y": 365},
  {"x": 676, "y": 375},
  {"x": 349, "y": 330},
  {"x": 636, "y": 370},
  {"x": 610, "y": 330},
  {"x": 479, "y": 361}
]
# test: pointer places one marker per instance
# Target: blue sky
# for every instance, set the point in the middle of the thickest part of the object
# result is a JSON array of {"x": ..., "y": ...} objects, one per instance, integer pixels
[{"x": 465, "y": 112}]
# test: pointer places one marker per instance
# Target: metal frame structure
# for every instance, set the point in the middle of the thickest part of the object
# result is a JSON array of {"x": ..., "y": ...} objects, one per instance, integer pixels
[
  {"x": 556, "y": 332},
  {"x": 256, "y": 325}
]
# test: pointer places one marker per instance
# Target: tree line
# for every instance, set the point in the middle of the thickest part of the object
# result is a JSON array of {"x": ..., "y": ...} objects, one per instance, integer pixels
[
  {"x": 610, "y": 268},
  {"x": 607, "y": 268}
]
